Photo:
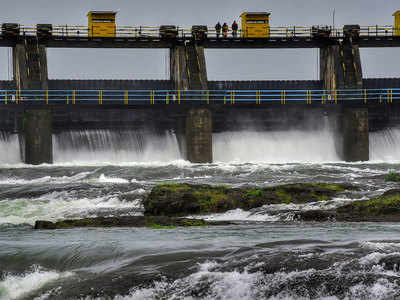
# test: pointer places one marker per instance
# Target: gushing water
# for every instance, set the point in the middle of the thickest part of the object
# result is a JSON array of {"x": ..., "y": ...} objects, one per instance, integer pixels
[
  {"x": 9, "y": 148},
  {"x": 384, "y": 145},
  {"x": 275, "y": 146},
  {"x": 88, "y": 146},
  {"x": 115, "y": 146}
]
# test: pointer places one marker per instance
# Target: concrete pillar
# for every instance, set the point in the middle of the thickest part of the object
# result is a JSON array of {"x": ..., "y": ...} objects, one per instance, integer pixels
[
  {"x": 30, "y": 66},
  {"x": 38, "y": 136},
  {"x": 188, "y": 67},
  {"x": 340, "y": 67},
  {"x": 355, "y": 134},
  {"x": 199, "y": 135}
]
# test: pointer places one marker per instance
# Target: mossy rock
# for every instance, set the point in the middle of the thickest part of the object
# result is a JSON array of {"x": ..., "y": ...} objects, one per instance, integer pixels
[
  {"x": 180, "y": 199},
  {"x": 383, "y": 208},
  {"x": 155, "y": 222},
  {"x": 393, "y": 177}
]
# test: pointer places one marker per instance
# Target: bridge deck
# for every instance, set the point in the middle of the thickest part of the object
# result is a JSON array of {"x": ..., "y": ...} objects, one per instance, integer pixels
[{"x": 230, "y": 42}]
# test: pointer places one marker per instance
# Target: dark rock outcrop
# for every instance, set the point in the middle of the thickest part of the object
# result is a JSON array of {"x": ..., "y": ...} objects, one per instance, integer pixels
[
  {"x": 385, "y": 208},
  {"x": 157, "y": 222},
  {"x": 185, "y": 199},
  {"x": 314, "y": 215}
]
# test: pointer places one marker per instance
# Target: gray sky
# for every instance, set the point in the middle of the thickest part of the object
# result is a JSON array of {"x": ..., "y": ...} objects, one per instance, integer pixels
[{"x": 221, "y": 64}]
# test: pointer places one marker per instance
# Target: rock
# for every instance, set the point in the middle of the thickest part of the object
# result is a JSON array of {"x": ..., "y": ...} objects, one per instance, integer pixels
[
  {"x": 44, "y": 225},
  {"x": 158, "y": 222},
  {"x": 385, "y": 208},
  {"x": 184, "y": 199},
  {"x": 315, "y": 215},
  {"x": 391, "y": 262},
  {"x": 394, "y": 177}
]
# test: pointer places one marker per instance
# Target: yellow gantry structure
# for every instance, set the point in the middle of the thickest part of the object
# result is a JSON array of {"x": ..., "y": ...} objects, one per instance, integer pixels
[
  {"x": 397, "y": 23},
  {"x": 255, "y": 24},
  {"x": 101, "y": 23}
]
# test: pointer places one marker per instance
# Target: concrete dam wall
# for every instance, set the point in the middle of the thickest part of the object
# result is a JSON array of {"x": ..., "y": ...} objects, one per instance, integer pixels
[{"x": 93, "y": 84}]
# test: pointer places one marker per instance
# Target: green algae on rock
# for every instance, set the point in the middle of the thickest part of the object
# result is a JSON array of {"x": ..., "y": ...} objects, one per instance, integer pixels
[
  {"x": 178, "y": 199},
  {"x": 392, "y": 176},
  {"x": 383, "y": 208},
  {"x": 156, "y": 222}
]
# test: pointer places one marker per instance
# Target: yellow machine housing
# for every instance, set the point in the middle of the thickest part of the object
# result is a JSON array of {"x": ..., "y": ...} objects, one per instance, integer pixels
[
  {"x": 255, "y": 24},
  {"x": 101, "y": 23},
  {"x": 397, "y": 23}
]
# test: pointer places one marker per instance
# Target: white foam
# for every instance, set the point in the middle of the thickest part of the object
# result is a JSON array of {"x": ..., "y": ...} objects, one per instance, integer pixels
[
  {"x": 381, "y": 246},
  {"x": 105, "y": 179},
  {"x": 46, "y": 179},
  {"x": 382, "y": 289},
  {"x": 237, "y": 215},
  {"x": 61, "y": 205},
  {"x": 178, "y": 163},
  {"x": 15, "y": 286},
  {"x": 223, "y": 285},
  {"x": 244, "y": 285},
  {"x": 319, "y": 205},
  {"x": 270, "y": 213}
]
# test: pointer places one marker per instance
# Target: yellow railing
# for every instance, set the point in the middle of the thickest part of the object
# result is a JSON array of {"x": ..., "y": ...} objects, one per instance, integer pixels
[{"x": 104, "y": 97}]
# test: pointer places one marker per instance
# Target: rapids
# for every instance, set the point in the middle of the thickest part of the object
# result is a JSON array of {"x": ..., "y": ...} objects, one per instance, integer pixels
[{"x": 267, "y": 256}]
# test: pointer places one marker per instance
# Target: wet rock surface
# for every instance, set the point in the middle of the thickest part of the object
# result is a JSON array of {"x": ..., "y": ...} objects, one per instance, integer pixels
[
  {"x": 183, "y": 199},
  {"x": 384, "y": 208},
  {"x": 157, "y": 222}
]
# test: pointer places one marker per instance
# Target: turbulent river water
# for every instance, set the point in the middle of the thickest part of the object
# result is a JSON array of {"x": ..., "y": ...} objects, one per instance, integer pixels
[{"x": 266, "y": 256}]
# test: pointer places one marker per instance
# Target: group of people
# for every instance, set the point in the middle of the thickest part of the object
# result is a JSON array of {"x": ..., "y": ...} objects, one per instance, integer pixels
[{"x": 225, "y": 29}]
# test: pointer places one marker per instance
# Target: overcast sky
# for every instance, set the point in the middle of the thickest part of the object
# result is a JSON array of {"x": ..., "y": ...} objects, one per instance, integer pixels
[{"x": 221, "y": 64}]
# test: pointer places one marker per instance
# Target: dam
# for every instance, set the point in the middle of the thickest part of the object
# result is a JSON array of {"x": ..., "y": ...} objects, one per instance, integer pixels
[{"x": 190, "y": 105}]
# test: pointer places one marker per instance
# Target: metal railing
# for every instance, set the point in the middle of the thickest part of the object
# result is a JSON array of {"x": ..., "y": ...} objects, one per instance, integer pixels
[
  {"x": 153, "y": 31},
  {"x": 198, "y": 96}
]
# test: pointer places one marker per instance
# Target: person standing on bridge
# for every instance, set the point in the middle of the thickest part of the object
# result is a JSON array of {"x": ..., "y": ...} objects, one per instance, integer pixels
[
  {"x": 225, "y": 29},
  {"x": 234, "y": 29},
  {"x": 218, "y": 29}
]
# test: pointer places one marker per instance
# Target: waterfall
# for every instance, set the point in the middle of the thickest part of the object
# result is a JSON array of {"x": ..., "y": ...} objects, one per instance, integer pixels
[
  {"x": 115, "y": 146},
  {"x": 385, "y": 145},
  {"x": 9, "y": 148},
  {"x": 275, "y": 146}
]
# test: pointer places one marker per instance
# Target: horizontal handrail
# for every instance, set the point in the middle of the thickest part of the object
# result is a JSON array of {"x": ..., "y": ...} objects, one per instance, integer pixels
[
  {"x": 204, "y": 96},
  {"x": 153, "y": 31}
]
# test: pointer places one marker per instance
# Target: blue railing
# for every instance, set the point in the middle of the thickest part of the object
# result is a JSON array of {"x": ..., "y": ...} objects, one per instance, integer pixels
[{"x": 200, "y": 96}]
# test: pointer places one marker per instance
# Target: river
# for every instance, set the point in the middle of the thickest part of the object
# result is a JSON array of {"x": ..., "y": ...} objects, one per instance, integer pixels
[{"x": 266, "y": 256}]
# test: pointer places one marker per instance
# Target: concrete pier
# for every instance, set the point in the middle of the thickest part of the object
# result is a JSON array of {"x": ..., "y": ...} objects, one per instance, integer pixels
[
  {"x": 355, "y": 134},
  {"x": 188, "y": 67},
  {"x": 30, "y": 66},
  {"x": 340, "y": 67},
  {"x": 199, "y": 135},
  {"x": 38, "y": 136}
]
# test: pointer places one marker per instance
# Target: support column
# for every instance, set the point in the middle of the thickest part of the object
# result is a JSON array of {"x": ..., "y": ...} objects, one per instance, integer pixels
[
  {"x": 38, "y": 131},
  {"x": 188, "y": 67},
  {"x": 199, "y": 135},
  {"x": 30, "y": 65},
  {"x": 355, "y": 134},
  {"x": 340, "y": 67}
]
